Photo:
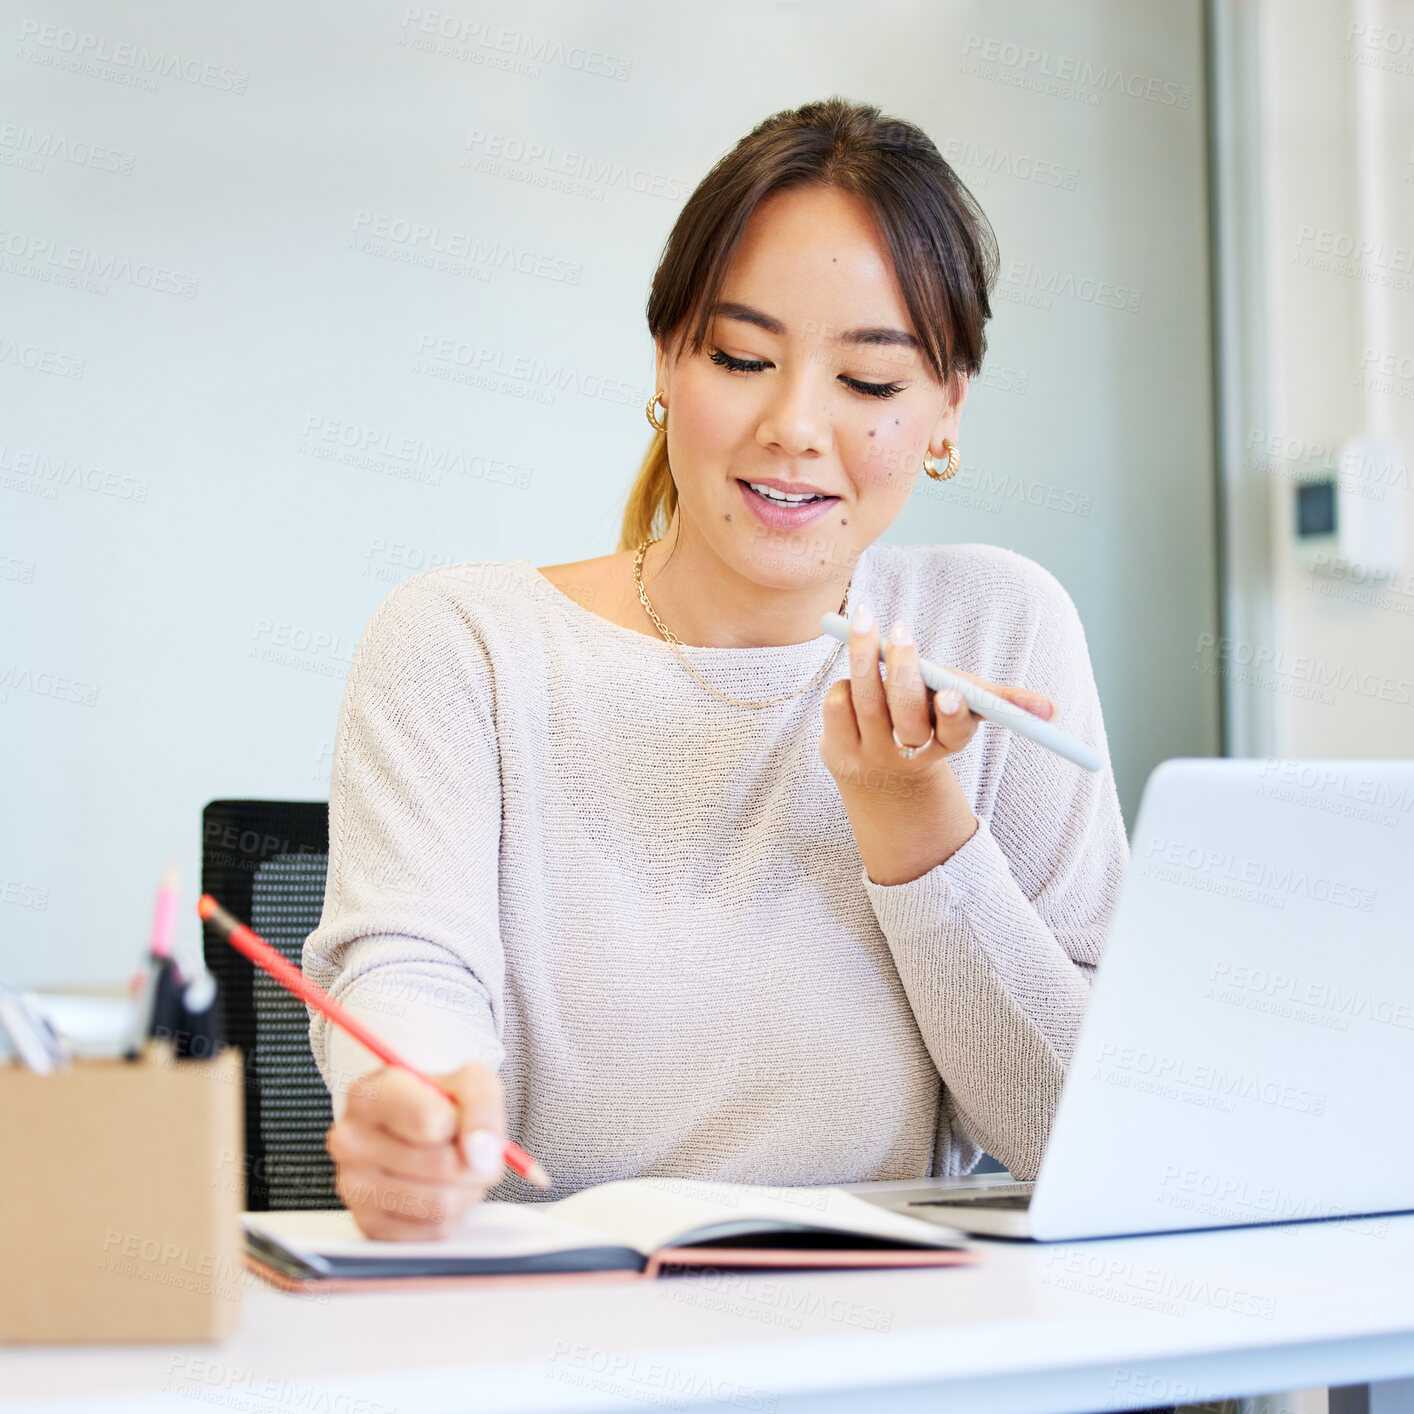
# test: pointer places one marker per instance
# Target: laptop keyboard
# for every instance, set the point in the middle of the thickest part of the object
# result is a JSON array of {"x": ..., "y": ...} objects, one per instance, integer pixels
[{"x": 1002, "y": 1195}]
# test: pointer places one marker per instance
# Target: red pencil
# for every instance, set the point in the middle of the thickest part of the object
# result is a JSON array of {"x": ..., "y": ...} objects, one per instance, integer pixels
[{"x": 249, "y": 942}]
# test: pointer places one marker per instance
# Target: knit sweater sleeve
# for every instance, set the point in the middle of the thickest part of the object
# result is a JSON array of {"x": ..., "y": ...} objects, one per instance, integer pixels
[
  {"x": 996, "y": 946},
  {"x": 415, "y": 800}
]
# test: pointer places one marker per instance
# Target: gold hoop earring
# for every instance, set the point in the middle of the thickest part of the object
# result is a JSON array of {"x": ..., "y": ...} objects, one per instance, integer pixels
[
  {"x": 954, "y": 461},
  {"x": 653, "y": 421}
]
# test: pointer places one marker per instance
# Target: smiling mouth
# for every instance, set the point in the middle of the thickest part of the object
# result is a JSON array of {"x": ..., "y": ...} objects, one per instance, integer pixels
[{"x": 781, "y": 498}]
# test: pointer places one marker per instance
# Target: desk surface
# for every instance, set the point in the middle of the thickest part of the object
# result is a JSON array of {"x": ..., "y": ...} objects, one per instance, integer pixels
[{"x": 1082, "y": 1326}]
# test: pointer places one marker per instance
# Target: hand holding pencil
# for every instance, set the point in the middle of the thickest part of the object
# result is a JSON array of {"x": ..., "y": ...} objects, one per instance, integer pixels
[
  {"x": 409, "y": 1164},
  {"x": 414, "y": 1151}
]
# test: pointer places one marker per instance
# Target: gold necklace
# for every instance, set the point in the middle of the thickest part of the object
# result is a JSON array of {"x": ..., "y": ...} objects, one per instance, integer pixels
[{"x": 676, "y": 644}]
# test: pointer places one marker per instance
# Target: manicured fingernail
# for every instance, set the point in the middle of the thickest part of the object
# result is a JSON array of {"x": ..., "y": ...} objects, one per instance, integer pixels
[
  {"x": 483, "y": 1153},
  {"x": 862, "y": 621},
  {"x": 899, "y": 635},
  {"x": 949, "y": 702}
]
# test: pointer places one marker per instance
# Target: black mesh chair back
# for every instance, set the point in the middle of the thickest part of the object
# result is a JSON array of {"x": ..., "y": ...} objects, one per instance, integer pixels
[{"x": 265, "y": 861}]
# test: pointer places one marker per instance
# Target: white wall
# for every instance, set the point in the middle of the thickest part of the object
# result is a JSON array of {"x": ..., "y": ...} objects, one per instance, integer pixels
[
  {"x": 1340, "y": 270},
  {"x": 188, "y": 547}
]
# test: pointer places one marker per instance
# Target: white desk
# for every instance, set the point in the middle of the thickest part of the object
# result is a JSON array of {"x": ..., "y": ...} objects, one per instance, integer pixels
[{"x": 1082, "y": 1326}]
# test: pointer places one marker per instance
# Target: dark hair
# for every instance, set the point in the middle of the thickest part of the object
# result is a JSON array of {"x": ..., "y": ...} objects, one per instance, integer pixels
[{"x": 942, "y": 246}]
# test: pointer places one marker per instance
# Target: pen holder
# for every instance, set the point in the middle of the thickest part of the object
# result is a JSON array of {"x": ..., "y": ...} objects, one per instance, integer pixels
[{"x": 120, "y": 1199}]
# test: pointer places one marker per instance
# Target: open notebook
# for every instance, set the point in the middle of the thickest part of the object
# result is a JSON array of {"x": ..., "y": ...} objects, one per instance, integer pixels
[{"x": 637, "y": 1226}]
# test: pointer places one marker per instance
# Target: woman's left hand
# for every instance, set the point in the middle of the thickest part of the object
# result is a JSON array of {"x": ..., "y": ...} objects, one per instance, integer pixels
[{"x": 908, "y": 814}]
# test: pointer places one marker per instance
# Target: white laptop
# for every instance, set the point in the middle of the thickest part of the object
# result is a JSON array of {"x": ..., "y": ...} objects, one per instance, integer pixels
[{"x": 1247, "y": 1055}]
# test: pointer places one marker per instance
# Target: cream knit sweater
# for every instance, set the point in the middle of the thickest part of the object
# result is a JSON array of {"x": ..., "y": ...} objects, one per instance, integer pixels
[{"x": 553, "y": 851}]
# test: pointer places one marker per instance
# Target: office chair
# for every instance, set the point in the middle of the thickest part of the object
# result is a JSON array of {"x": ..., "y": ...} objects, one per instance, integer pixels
[{"x": 265, "y": 861}]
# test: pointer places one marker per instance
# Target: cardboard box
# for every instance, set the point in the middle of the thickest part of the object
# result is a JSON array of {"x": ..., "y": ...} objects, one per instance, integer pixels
[{"x": 121, "y": 1189}]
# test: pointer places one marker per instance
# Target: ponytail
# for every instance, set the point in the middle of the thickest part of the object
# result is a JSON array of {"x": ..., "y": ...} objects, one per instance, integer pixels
[{"x": 652, "y": 499}]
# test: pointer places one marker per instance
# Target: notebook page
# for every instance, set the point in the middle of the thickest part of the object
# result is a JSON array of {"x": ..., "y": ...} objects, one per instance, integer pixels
[
  {"x": 488, "y": 1230},
  {"x": 649, "y": 1213}
]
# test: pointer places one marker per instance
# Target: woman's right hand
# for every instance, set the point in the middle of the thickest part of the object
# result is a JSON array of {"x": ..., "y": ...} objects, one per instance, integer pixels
[{"x": 410, "y": 1164}]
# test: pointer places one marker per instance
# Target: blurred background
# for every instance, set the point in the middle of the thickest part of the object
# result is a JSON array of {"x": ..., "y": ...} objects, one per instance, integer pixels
[{"x": 296, "y": 301}]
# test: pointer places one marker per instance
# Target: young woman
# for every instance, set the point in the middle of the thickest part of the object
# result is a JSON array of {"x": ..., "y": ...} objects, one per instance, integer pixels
[{"x": 655, "y": 875}]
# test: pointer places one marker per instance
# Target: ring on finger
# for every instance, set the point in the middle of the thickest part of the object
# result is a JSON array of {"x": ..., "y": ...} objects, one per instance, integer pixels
[{"x": 909, "y": 752}]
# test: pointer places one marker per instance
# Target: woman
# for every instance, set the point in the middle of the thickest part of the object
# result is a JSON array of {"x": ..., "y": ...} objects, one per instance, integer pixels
[{"x": 654, "y": 875}]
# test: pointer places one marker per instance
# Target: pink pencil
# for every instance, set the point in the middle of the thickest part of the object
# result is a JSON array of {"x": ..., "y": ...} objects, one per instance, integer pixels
[
  {"x": 249, "y": 942},
  {"x": 164, "y": 915},
  {"x": 159, "y": 953}
]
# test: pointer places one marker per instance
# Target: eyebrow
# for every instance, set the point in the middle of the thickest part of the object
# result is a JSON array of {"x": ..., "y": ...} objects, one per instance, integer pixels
[{"x": 729, "y": 309}]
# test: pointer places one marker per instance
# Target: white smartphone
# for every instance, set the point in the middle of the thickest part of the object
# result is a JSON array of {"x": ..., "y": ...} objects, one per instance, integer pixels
[{"x": 989, "y": 705}]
